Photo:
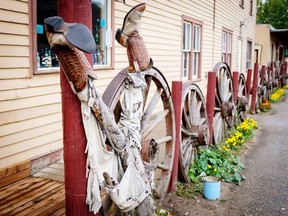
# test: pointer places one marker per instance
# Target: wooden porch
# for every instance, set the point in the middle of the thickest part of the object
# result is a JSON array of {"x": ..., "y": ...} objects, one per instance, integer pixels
[{"x": 41, "y": 194}]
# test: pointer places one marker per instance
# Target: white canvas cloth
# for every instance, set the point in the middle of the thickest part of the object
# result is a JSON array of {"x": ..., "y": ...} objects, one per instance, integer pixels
[
  {"x": 125, "y": 139},
  {"x": 99, "y": 160}
]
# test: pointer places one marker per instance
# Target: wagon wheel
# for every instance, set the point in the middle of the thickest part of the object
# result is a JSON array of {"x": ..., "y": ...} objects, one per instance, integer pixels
[
  {"x": 194, "y": 128},
  {"x": 224, "y": 109},
  {"x": 261, "y": 93},
  {"x": 157, "y": 123},
  {"x": 242, "y": 100}
]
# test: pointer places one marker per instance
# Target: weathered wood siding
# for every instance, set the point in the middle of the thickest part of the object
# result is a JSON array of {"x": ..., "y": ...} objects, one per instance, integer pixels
[{"x": 30, "y": 107}]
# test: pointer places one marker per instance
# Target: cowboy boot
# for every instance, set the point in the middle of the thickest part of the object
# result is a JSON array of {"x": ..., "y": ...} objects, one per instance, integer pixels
[
  {"x": 73, "y": 61},
  {"x": 138, "y": 56},
  {"x": 131, "y": 23}
]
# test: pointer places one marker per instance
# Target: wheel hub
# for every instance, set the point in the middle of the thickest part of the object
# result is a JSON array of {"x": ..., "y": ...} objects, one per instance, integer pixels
[{"x": 227, "y": 109}]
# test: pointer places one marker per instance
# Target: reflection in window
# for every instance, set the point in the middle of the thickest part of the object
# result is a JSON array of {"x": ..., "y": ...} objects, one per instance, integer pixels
[
  {"x": 101, "y": 32},
  {"x": 45, "y": 57}
]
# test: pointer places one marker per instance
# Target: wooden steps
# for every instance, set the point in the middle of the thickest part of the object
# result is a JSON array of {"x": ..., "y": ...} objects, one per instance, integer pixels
[{"x": 33, "y": 196}]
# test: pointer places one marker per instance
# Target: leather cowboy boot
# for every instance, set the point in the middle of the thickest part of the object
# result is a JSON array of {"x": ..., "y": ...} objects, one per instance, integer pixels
[
  {"x": 131, "y": 23},
  {"x": 63, "y": 42},
  {"x": 137, "y": 53}
]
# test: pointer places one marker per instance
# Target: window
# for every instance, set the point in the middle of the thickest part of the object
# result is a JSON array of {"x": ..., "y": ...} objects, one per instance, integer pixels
[
  {"x": 101, "y": 22},
  {"x": 251, "y": 7},
  {"x": 101, "y": 29},
  {"x": 226, "y": 47},
  {"x": 191, "y": 53},
  {"x": 186, "y": 48},
  {"x": 241, "y": 3},
  {"x": 45, "y": 57},
  {"x": 249, "y": 54}
]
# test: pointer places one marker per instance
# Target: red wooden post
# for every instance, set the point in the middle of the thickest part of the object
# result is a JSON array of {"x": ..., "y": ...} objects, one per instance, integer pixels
[
  {"x": 248, "y": 81},
  {"x": 210, "y": 102},
  {"x": 74, "y": 140},
  {"x": 248, "y": 85},
  {"x": 263, "y": 71},
  {"x": 177, "y": 101},
  {"x": 235, "y": 79},
  {"x": 254, "y": 88}
]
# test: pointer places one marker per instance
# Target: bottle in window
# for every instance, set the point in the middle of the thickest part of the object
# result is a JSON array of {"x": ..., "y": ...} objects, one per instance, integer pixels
[{"x": 46, "y": 60}]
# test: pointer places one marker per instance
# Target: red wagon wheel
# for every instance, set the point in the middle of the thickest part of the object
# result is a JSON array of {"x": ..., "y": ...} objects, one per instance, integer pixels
[
  {"x": 194, "y": 127},
  {"x": 157, "y": 123},
  {"x": 224, "y": 109},
  {"x": 242, "y": 99}
]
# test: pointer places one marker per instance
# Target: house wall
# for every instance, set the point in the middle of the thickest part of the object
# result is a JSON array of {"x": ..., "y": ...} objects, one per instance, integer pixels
[
  {"x": 30, "y": 109},
  {"x": 30, "y": 106},
  {"x": 263, "y": 41}
]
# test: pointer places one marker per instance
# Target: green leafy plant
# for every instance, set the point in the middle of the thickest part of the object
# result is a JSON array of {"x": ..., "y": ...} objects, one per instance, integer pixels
[
  {"x": 222, "y": 161},
  {"x": 187, "y": 190}
]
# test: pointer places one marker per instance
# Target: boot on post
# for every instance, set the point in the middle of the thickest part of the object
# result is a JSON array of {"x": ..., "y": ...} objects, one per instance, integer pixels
[
  {"x": 131, "y": 22},
  {"x": 129, "y": 37},
  {"x": 65, "y": 43}
]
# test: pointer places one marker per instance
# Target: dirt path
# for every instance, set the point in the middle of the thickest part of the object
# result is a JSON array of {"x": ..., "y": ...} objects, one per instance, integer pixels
[{"x": 265, "y": 190}]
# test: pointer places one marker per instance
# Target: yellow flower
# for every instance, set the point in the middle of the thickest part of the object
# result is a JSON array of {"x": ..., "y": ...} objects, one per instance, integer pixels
[{"x": 209, "y": 166}]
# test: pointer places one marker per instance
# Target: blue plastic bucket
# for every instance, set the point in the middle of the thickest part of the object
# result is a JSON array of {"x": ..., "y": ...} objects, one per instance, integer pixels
[{"x": 212, "y": 187}]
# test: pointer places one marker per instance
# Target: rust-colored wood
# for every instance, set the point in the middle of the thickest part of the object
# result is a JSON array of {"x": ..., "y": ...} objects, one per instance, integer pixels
[{"x": 33, "y": 196}]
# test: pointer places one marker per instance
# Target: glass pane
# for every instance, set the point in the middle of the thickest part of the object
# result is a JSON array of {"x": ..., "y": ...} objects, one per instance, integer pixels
[
  {"x": 286, "y": 51},
  {"x": 100, "y": 31},
  {"x": 185, "y": 64},
  {"x": 229, "y": 43},
  {"x": 197, "y": 38},
  {"x": 223, "y": 42},
  {"x": 195, "y": 64},
  {"x": 45, "y": 57},
  {"x": 187, "y": 36}
]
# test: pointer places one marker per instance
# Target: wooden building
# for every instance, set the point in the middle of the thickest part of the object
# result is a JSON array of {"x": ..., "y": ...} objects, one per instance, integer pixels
[
  {"x": 271, "y": 45},
  {"x": 185, "y": 39}
]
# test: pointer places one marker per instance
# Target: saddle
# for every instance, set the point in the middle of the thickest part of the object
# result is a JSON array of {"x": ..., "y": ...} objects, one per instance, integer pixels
[{"x": 77, "y": 34}]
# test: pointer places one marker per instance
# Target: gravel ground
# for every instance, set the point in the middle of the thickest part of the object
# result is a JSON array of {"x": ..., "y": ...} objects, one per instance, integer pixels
[{"x": 265, "y": 190}]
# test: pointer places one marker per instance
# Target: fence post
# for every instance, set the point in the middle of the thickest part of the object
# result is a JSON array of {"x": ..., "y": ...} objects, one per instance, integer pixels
[
  {"x": 235, "y": 79},
  {"x": 254, "y": 88},
  {"x": 177, "y": 101},
  {"x": 74, "y": 139},
  {"x": 210, "y": 102}
]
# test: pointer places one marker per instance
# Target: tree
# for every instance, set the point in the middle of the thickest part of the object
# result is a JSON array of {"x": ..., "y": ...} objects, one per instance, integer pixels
[{"x": 274, "y": 12}]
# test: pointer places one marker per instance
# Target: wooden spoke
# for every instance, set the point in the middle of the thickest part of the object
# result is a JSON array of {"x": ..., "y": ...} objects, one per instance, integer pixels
[{"x": 148, "y": 112}]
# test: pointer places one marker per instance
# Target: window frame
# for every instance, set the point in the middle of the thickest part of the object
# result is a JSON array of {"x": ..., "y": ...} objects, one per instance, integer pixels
[
  {"x": 32, "y": 4},
  {"x": 194, "y": 50},
  {"x": 249, "y": 52},
  {"x": 241, "y": 3},
  {"x": 251, "y": 8},
  {"x": 227, "y": 46}
]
